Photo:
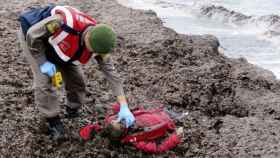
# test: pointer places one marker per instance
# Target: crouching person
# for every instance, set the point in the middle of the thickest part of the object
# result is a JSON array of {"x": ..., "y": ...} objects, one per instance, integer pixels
[{"x": 62, "y": 37}]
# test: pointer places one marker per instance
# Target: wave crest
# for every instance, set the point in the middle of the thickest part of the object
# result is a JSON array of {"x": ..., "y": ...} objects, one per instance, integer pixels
[{"x": 268, "y": 24}]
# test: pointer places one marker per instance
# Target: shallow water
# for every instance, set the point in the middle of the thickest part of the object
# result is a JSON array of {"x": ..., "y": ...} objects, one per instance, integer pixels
[{"x": 246, "y": 41}]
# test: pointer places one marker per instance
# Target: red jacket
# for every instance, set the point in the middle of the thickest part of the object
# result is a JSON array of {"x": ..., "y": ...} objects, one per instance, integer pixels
[{"x": 156, "y": 123}]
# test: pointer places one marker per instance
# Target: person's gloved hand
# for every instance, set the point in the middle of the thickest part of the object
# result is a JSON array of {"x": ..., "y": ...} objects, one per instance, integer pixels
[
  {"x": 126, "y": 115},
  {"x": 48, "y": 68}
]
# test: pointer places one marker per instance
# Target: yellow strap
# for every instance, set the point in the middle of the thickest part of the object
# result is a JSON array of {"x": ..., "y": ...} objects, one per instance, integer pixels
[{"x": 53, "y": 26}]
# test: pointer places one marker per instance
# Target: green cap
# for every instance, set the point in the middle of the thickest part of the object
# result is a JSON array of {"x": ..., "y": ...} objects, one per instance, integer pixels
[{"x": 102, "y": 39}]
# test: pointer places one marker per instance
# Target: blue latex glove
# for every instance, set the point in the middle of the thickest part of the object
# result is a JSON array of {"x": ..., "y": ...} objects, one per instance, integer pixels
[
  {"x": 126, "y": 115},
  {"x": 48, "y": 68}
]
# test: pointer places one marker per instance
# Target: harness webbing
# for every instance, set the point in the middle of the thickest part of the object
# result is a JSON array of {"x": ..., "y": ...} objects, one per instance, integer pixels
[{"x": 81, "y": 46}]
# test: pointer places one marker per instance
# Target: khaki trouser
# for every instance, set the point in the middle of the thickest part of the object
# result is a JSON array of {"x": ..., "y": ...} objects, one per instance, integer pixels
[{"x": 46, "y": 97}]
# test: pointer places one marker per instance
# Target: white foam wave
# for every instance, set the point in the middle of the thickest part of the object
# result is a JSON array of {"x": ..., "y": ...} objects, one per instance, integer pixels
[{"x": 253, "y": 37}]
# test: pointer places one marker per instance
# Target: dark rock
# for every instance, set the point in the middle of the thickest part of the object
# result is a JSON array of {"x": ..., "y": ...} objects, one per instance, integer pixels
[{"x": 233, "y": 106}]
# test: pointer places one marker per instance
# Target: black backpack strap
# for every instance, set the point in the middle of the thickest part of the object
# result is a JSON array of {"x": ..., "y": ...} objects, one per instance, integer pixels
[
  {"x": 70, "y": 30},
  {"x": 78, "y": 53}
]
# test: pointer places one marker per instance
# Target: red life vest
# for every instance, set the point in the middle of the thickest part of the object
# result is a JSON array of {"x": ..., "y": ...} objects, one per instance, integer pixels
[{"x": 65, "y": 43}]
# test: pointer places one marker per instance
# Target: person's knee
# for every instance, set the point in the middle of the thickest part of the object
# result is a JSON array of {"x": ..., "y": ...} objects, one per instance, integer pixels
[
  {"x": 42, "y": 82},
  {"x": 76, "y": 97},
  {"x": 77, "y": 86},
  {"x": 44, "y": 93},
  {"x": 47, "y": 101},
  {"x": 76, "y": 90}
]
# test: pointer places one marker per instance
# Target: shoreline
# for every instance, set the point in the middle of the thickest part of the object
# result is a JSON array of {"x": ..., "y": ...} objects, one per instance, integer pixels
[{"x": 236, "y": 46}]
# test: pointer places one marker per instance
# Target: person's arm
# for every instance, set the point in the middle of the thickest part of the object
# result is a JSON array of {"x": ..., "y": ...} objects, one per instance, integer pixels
[
  {"x": 38, "y": 33},
  {"x": 108, "y": 69},
  {"x": 111, "y": 75}
]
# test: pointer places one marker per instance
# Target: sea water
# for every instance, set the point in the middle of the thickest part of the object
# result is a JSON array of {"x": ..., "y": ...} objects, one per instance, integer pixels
[{"x": 248, "y": 41}]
